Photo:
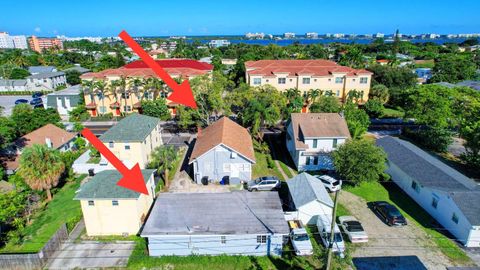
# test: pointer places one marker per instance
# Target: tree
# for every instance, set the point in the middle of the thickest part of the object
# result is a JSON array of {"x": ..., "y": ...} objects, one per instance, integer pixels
[
  {"x": 8, "y": 131},
  {"x": 163, "y": 159},
  {"x": 379, "y": 92},
  {"x": 41, "y": 168},
  {"x": 19, "y": 73},
  {"x": 471, "y": 134},
  {"x": 396, "y": 79},
  {"x": 156, "y": 108},
  {"x": 374, "y": 108},
  {"x": 295, "y": 100},
  {"x": 357, "y": 120},
  {"x": 326, "y": 104},
  {"x": 359, "y": 161},
  {"x": 453, "y": 68},
  {"x": 73, "y": 77},
  {"x": 27, "y": 119},
  {"x": 100, "y": 89}
]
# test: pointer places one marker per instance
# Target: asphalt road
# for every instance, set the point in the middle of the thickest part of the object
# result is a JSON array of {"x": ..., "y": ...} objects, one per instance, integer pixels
[{"x": 8, "y": 102}]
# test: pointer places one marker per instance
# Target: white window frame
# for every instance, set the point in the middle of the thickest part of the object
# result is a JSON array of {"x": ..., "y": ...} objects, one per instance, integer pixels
[
  {"x": 363, "y": 80},
  {"x": 305, "y": 80},
  {"x": 282, "y": 80},
  {"x": 257, "y": 81}
]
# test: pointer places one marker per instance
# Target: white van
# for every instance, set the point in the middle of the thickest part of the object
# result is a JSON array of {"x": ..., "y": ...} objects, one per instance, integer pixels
[{"x": 324, "y": 228}]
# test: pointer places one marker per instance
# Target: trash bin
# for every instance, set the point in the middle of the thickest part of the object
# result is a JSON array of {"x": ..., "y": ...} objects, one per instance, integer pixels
[
  {"x": 91, "y": 172},
  {"x": 205, "y": 180}
]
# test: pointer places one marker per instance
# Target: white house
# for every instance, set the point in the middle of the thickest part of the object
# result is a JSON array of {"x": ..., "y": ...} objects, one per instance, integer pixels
[
  {"x": 311, "y": 137},
  {"x": 64, "y": 101},
  {"x": 231, "y": 223},
  {"x": 451, "y": 198},
  {"x": 46, "y": 81},
  {"x": 308, "y": 198}
]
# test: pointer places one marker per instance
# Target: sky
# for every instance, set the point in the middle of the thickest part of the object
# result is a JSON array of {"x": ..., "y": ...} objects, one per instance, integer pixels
[{"x": 227, "y": 17}]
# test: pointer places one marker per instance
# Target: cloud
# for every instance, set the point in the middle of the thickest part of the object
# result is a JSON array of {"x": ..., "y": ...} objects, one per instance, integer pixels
[{"x": 37, "y": 29}]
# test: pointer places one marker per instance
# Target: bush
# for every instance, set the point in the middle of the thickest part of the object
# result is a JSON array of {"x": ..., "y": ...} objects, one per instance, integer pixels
[
  {"x": 72, "y": 222},
  {"x": 21, "y": 93},
  {"x": 374, "y": 108}
]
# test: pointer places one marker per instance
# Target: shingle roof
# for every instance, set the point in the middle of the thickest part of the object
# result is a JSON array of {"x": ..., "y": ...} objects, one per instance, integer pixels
[
  {"x": 317, "y": 125},
  {"x": 79, "y": 69},
  {"x": 13, "y": 82},
  {"x": 72, "y": 90},
  {"x": 40, "y": 69},
  {"x": 225, "y": 132},
  {"x": 469, "y": 203},
  {"x": 133, "y": 128},
  {"x": 172, "y": 63},
  {"x": 238, "y": 212},
  {"x": 46, "y": 75},
  {"x": 104, "y": 186},
  {"x": 305, "y": 188}
]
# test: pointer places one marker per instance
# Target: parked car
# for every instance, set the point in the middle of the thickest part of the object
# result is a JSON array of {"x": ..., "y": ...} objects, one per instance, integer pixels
[
  {"x": 330, "y": 183},
  {"x": 353, "y": 229},
  {"x": 389, "y": 213},
  {"x": 324, "y": 228},
  {"x": 300, "y": 239},
  {"x": 36, "y": 101},
  {"x": 264, "y": 183},
  {"x": 37, "y": 94},
  {"x": 20, "y": 101}
]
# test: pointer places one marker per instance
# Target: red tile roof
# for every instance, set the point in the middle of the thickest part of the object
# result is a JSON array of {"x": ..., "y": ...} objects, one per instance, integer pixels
[
  {"x": 300, "y": 67},
  {"x": 173, "y": 63}
]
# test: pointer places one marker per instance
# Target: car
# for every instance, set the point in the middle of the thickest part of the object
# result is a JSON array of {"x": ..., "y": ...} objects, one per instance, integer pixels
[
  {"x": 20, "y": 101},
  {"x": 299, "y": 238},
  {"x": 36, "y": 101},
  {"x": 330, "y": 183},
  {"x": 37, "y": 94},
  {"x": 389, "y": 213},
  {"x": 353, "y": 229},
  {"x": 264, "y": 183},
  {"x": 324, "y": 226}
]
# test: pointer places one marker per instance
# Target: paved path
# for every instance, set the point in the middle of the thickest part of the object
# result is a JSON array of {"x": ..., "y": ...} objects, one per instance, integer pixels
[
  {"x": 392, "y": 241},
  {"x": 183, "y": 183},
  {"x": 8, "y": 102}
]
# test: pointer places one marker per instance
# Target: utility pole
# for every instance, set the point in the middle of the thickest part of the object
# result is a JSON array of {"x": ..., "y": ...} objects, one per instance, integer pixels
[{"x": 332, "y": 231}]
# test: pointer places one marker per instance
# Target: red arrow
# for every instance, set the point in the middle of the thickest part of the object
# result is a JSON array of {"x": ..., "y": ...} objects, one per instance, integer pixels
[
  {"x": 132, "y": 178},
  {"x": 182, "y": 93}
]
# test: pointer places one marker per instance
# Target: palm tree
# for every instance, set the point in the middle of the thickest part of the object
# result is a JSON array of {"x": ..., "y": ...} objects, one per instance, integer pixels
[
  {"x": 101, "y": 88},
  {"x": 312, "y": 96},
  {"x": 88, "y": 88},
  {"x": 154, "y": 85},
  {"x": 135, "y": 87},
  {"x": 41, "y": 167},
  {"x": 163, "y": 158},
  {"x": 113, "y": 89},
  {"x": 17, "y": 58},
  {"x": 122, "y": 83}
]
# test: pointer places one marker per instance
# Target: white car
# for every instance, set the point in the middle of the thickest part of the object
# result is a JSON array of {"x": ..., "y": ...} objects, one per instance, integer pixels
[
  {"x": 330, "y": 183},
  {"x": 353, "y": 229},
  {"x": 324, "y": 228}
]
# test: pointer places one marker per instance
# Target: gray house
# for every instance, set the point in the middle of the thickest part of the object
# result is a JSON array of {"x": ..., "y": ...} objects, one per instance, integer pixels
[
  {"x": 46, "y": 81},
  {"x": 223, "y": 152},
  {"x": 232, "y": 223},
  {"x": 64, "y": 101}
]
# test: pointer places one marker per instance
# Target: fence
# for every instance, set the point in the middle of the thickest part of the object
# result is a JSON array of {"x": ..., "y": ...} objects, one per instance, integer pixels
[{"x": 35, "y": 260}]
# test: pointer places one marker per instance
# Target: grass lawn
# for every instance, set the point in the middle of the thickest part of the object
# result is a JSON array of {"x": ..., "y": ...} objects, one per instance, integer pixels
[
  {"x": 391, "y": 193},
  {"x": 285, "y": 169},
  {"x": 260, "y": 168},
  {"x": 392, "y": 113},
  {"x": 45, "y": 223},
  {"x": 424, "y": 64},
  {"x": 94, "y": 160}
]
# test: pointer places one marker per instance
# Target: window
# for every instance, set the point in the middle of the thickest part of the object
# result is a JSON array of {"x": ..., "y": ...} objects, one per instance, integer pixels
[
  {"x": 363, "y": 80},
  {"x": 338, "y": 79},
  {"x": 110, "y": 144},
  {"x": 102, "y": 109},
  {"x": 163, "y": 94},
  {"x": 244, "y": 167},
  {"x": 335, "y": 143},
  {"x": 434, "y": 202},
  {"x": 125, "y": 95},
  {"x": 261, "y": 239},
  {"x": 338, "y": 93},
  {"x": 315, "y": 143},
  {"x": 223, "y": 239},
  {"x": 309, "y": 160},
  {"x": 227, "y": 167},
  {"x": 127, "y": 147},
  {"x": 281, "y": 80},
  {"x": 127, "y": 108},
  {"x": 91, "y": 203},
  {"x": 257, "y": 81},
  {"x": 115, "y": 203},
  {"x": 454, "y": 219},
  {"x": 415, "y": 186},
  {"x": 315, "y": 161}
]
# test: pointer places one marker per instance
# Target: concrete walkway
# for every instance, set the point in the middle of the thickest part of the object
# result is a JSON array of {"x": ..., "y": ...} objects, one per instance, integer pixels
[{"x": 184, "y": 184}]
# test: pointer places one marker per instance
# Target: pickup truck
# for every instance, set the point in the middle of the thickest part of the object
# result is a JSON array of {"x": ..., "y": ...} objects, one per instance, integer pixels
[{"x": 300, "y": 239}]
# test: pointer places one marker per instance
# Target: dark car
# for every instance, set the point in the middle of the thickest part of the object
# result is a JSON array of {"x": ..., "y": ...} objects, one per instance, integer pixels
[
  {"x": 37, "y": 94},
  {"x": 36, "y": 101},
  {"x": 389, "y": 213},
  {"x": 20, "y": 101}
]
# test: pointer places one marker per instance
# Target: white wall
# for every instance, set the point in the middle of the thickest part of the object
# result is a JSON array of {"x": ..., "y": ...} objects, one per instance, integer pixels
[{"x": 309, "y": 212}]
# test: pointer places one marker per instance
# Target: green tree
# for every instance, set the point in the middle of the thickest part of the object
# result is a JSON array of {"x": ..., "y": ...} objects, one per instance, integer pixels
[
  {"x": 359, "y": 161},
  {"x": 295, "y": 100},
  {"x": 374, "y": 108},
  {"x": 379, "y": 92},
  {"x": 471, "y": 134},
  {"x": 19, "y": 73},
  {"x": 27, "y": 119},
  {"x": 453, "y": 68},
  {"x": 73, "y": 77},
  {"x": 8, "y": 131},
  {"x": 41, "y": 168},
  {"x": 357, "y": 120},
  {"x": 326, "y": 104},
  {"x": 156, "y": 108},
  {"x": 163, "y": 159}
]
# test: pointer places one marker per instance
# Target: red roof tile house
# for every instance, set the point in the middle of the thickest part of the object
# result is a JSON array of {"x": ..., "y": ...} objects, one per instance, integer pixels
[
  {"x": 223, "y": 152},
  {"x": 304, "y": 75},
  {"x": 98, "y": 103}
]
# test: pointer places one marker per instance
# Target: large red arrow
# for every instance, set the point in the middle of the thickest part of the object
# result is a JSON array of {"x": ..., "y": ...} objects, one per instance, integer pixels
[
  {"x": 182, "y": 93},
  {"x": 132, "y": 178}
]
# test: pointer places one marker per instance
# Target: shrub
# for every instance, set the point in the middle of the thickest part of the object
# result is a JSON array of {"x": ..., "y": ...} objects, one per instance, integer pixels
[{"x": 374, "y": 108}]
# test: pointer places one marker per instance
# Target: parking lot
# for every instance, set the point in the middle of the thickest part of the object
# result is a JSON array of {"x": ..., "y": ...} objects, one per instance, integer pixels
[{"x": 8, "y": 102}]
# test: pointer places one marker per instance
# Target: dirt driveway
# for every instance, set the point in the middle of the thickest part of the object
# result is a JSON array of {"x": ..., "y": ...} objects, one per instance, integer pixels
[{"x": 391, "y": 241}]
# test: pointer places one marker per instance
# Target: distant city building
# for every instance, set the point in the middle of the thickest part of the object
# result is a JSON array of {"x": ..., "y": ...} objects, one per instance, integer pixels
[
  {"x": 40, "y": 44},
  {"x": 289, "y": 35},
  {"x": 338, "y": 35},
  {"x": 255, "y": 35},
  {"x": 379, "y": 35},
  {"x": 312, "y": 35},
  {"x": 216, "y": 43},
  {"x": 12, "y": 42},
  {"x": 433, "y": 36},
  {"x": 91, "y": 39}
]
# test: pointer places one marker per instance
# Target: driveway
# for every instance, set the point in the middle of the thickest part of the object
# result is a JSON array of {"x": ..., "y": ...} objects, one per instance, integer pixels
[
  {"x": 8, "y": 102},
  {"x": 384, "y": 241}
]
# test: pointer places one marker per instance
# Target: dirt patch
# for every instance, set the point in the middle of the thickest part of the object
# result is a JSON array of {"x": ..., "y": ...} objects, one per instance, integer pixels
[{"x": 392, "y": 241}]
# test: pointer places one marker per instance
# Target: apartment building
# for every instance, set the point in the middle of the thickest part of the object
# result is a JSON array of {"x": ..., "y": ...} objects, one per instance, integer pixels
[
  {"x": 39, "y": 44},
  {"x": 12, "y": 42},
  {"x": 304, "y": 75},
  {"x": 129, "y": 99}
]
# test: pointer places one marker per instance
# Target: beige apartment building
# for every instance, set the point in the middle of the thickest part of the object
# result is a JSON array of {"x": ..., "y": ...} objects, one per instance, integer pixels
[
  {"x": 133, "y": 139},
  {"x": 136, "y": 74},
  {"x": 304, "y": 75},
  {"x": 109, "y": 209}
]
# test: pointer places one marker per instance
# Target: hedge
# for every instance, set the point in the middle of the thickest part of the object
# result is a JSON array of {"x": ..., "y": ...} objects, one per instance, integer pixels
[{"x": 22, "y": 93}]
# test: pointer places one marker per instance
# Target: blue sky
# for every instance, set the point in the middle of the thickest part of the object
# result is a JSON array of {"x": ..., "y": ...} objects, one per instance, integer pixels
[{"x": 215, "y": 17}]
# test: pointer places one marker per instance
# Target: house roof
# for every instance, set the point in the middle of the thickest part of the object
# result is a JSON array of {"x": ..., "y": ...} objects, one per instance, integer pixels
[
  {"x": 104, "y": 186},
  {"x": 41, "y": 69},
  {"x": 230, "y": 213},
  {"x": 305, "y": 188},
  {"x": 72, "y": 90},
  {"x": 317, "y": 125},
  {"x": 432, "y": 173},
  {"x": 172, "y": 63},
  {"x": 79, "y": 69},
  {"x": 228, "y": 133},
  {"x": 13, "y": 82},
  {"x": 46, "y": 75},
  {"x": 318, "y": 67},
  {"x": 133, "y": 128}
]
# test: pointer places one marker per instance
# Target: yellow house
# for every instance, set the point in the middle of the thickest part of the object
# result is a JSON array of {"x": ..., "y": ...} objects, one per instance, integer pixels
[
  {"x": 305, "y": 75},
  {"x": 109, "y": 209},
  {"x": 133, "y": 139}
]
